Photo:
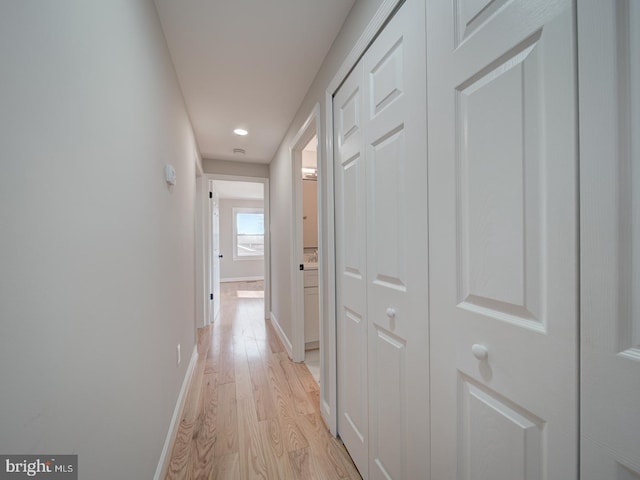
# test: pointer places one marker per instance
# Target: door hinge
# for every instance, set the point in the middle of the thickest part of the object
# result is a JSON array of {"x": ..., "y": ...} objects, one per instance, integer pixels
[
  {"x": 301, "y": 266},
  {"x": 211, "y": 296},
  {"x": 210, "y": 194}
]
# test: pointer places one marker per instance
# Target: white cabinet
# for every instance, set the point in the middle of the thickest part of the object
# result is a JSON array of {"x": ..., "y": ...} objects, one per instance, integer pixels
[{"x": 311, "y": 310}]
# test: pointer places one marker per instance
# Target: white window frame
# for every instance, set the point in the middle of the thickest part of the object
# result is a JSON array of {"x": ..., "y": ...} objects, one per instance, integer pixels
[{"x": 234, "y": 212}]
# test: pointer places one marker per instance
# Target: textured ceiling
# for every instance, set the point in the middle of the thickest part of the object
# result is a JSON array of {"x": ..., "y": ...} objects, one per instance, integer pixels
[{"x": 247, "y": 63}]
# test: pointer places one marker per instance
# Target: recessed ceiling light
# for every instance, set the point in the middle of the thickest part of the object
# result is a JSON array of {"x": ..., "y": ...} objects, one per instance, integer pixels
[{"x": 240, "y": 131}]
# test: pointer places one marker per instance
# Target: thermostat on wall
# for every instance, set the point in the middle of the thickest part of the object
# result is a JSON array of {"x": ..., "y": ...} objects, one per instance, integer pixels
[{"x": 170, "y": 174}]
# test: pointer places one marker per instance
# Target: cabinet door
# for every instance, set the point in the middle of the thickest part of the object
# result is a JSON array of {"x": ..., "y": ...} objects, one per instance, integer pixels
[
  {"x": 311, "y": 315},
  {"x": 503, "y": 239},
  {"x": 609, "y": 66}
]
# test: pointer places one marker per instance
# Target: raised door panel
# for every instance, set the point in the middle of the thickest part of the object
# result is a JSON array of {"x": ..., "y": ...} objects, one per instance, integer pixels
[
  {"x": 499, "y": 190},
  {"x": 351, "y": 250},
  {"x": 394, "y": 129},
  {"x": 499, "y": 440},
  {"x": 609, "y": 73},
  {"x": 503, "y": 239}
]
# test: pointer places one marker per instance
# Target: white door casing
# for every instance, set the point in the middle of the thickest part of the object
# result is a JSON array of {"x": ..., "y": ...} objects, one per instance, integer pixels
[
  {"x": 609, "y": 73},
  {"x": 381, "y": 247},
  {"x": 503, "y": 239},
  {"x": 300, "y": 141}
]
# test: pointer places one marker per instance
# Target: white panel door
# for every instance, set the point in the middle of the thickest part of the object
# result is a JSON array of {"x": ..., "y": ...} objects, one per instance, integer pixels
[
  {"x": 397, "y": 243},
  {"x": 609, "y": 67},
  {"x": 351, "y": 273},
  {"x": 503, "y": 239}
]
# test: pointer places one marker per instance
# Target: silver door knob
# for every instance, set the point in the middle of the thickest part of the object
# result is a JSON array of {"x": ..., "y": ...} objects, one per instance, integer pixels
[
  {"x": 391, "y": 312},
  {"x": 479, "y": 351}
]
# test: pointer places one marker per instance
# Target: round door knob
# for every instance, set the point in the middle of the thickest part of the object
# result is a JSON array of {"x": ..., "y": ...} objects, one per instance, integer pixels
[
  {"x": 391, "y": 312},
  {"x": 479, "y": 351}
]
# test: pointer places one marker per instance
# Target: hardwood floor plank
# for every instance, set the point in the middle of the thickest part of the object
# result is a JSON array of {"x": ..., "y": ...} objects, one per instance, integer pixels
[
  {"x": 314, "y": 396},
  {"x": 265, "y": 408},
  {"x": 328, "y": 458},
  {"x": 251, "y": 451},
  {"x": 300, "y": 463},
  {"x": 226, "y": 468},
  {"x": 178, "y": 465},
  {"x": 299, "y": 394},
  {"x": 227, "y": 369},
  {"x": 204, "y": 435},
  {"x": 280, "y": 390},
  {"x": 276, "y": 456},
  {"x": 306, "y": 379},
  {"x": 244, "y": 388},
  {"x": 294, "y": 439},
  {"x": 226, "y": 420}
]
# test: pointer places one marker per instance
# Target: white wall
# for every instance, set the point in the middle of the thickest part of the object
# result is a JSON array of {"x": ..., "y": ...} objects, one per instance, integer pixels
[
  {"x": 96, "y": 252},
  {"x": 280, "y": 167},
  {"x": 230, "y": 269}
]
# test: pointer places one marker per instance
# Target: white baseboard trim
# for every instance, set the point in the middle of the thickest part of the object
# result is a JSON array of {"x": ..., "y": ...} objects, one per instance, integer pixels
[
  {"x": 283, "y": 338},
  {"x": 242, "y": 279},
  {"x": 163, "y": 463}
]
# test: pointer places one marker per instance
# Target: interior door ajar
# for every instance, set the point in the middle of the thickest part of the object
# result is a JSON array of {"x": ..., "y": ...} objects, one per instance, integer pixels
[
  {"x": 214, "y": 297},
  {"x": 609, "y": 72},
  {"x": 503, "y": 239}
]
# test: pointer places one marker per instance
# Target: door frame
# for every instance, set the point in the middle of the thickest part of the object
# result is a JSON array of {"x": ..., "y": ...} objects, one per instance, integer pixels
[
  {"x": 329, "y": 404},
  {"x": 208, "y": 241},
  {"x": 309, "y": 128}
]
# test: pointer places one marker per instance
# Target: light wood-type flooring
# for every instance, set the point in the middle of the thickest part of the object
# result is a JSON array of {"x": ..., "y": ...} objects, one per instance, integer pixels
[{"x": 251, "y": 413}]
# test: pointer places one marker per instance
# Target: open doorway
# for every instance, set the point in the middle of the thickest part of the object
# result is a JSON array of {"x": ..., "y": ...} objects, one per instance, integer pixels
[
  {"x": 306, "y": 252},
  {"x": 309, "y": 211},
  {"x": 237, "y": 237}
]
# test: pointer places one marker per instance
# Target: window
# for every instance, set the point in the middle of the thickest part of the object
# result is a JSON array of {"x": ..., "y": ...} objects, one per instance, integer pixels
[{"x": 248, "y": 233}]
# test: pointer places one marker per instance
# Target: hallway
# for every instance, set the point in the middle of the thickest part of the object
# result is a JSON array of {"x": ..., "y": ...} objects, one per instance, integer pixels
[{"x": 251, "y": 412}]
